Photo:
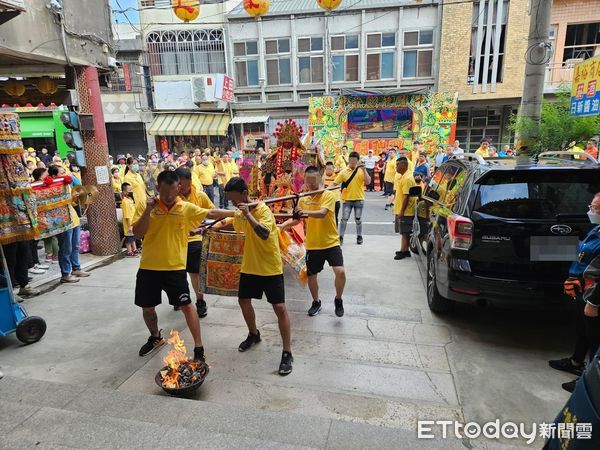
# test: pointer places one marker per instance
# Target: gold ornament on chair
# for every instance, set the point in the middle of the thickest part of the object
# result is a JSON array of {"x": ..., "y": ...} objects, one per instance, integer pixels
[{"x": 14, "y": 88}]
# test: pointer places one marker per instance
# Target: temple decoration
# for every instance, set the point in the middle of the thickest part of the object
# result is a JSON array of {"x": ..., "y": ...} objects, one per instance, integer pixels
[
  {"x": 329, "y": 5},
  {"x": 256, "y": 8},
  {"x": 186, "y": 10}
]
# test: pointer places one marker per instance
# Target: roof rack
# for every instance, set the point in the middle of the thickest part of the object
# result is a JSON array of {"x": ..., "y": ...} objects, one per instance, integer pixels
[
  {"x": 556, "y": 156},
  {"x": 470, "y": 157}
]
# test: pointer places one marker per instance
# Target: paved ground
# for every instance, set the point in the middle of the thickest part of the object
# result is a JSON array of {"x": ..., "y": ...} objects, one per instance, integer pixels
[{"x": 362, "y": 381}]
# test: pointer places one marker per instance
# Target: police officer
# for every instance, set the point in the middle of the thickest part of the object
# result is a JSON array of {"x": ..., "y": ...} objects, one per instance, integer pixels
[{"x": 584, "y": 287}]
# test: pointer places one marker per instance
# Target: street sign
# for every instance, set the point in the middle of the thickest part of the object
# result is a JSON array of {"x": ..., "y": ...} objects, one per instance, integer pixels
[
  {"x": 224, "y": 87},
  {"x": 585, "y": 96}
]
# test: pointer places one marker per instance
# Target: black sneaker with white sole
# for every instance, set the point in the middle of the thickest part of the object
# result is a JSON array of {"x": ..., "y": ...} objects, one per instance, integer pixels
[
  {"x": 251, "y": 340},
  {"x": 315, "y": 308},
  {"x": 567, "y": 365},
  {"x": 199, "y": 354},
  {"x": 153, "y": 343},
  {"x": 339, "y": 307},
  {"x": 285, "y": 367},
  {"x": 201, "y": 308}
]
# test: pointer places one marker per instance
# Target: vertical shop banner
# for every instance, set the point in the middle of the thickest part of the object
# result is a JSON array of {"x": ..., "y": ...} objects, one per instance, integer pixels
[
  {"x": 224, "y": 87},
  {"x": 585, "y": 98}
]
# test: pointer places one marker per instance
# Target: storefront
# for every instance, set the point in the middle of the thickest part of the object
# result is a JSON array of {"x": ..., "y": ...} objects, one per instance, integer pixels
[
  {"x": 250, "y": 132},
  {"x": 188, "y": 131},
  {"x": 375, "y": 122}
]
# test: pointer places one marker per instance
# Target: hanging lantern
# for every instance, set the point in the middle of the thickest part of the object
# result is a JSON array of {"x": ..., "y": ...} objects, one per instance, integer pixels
[
  {"x": 186, "y": 10},
  {"x": 47, "y": 86},
  {"x": 256, "y": 8},
  {"x": 329, "y": 5},
  {"x": 14, "y": 88}
]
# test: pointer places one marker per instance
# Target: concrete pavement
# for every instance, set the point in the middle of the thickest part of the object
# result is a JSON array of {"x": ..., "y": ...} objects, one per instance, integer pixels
[{"x": 367, "y": 377}]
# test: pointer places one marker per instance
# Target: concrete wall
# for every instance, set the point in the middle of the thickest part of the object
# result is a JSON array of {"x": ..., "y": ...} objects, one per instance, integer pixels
[
  {"x": 36, "y": 35},
  {"x": 455, "y": 50}
]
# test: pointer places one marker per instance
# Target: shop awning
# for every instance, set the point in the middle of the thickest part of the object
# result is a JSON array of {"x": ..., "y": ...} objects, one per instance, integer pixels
[
  {"x": 37, "y": 127},
  {"x": 249, "y": 119},
  {"x": 203, "y": 124}
]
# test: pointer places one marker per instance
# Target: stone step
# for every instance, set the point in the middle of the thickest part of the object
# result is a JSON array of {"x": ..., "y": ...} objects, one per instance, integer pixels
[{"x": 53, "y": 415}]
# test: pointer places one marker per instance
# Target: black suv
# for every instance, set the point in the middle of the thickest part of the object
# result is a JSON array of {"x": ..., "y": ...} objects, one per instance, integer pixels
[{"x": 503, "y": 232}]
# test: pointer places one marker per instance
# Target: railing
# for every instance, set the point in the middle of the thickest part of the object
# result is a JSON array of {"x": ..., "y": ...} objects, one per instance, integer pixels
[{"x": 558, "y": 75}]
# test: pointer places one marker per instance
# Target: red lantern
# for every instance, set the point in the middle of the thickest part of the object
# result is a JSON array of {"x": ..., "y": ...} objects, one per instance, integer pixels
[
  {"x": 329, "y": 5},
  {"x": 186, "y": 10},
  {"x": 256, "y": 8}
]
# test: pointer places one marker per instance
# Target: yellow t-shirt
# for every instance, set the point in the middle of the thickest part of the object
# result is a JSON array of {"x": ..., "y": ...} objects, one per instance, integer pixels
[
  {"x": 116, "y": 185},
  {"x": 329, "y": 180},
  {"x": 201, "y": 200},
  {"x": 482, "y": 152},
  {"x": 165, "y": 243},
  {"x": 220, "y": 167},
  {"x": 322, "y": 233},
  {"x": 128, "y": 208},
  {"x": 390, "y": 170},
  {"x": 356, "y": 189},
  {"x": 206, "y": 174},
  {"x": 261, "y": 257},
  {"x": 341, "y": 162},
  {"x": 402, "y": 183},
  {"x": 138, "y": 186},
  {"x": 235, "y": 170}
]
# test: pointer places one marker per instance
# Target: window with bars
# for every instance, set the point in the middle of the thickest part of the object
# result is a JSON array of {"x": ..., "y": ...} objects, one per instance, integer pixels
[
  {"x": 128, "y": 76},
  {"x": 310, "y": 59},
  {"x": 582, "y": 41},
  {"x": 278, "y": 60},
  {"x": 381, "y": 51},
  {"x": 245, "y": 59},
  {"x": 186, "y": 52},
  {"x": 417, "y": 54},
  {"x": 344, "y": 57},
  {"x": 488, "y": 42}
]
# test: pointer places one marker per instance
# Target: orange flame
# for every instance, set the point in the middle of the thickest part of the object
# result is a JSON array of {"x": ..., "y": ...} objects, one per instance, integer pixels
[{"x": 176, "y": 356}]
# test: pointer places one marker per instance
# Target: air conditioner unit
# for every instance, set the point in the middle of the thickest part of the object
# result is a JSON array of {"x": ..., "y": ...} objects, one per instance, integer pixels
[{"x": 203, "y": 89}]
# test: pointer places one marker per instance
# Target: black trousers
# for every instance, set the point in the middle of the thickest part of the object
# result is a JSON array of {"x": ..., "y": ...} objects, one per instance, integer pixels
[
  {"x": 587, "y": 333},
  {"x": 209, "y": 190},
  {"x": 337, "y": 212},
  {"x": 381, "y": 183},
  {"x": 17, "y": 255},
  {"x": 371, "y": 185},
  {"x": 35, "y": 259}
]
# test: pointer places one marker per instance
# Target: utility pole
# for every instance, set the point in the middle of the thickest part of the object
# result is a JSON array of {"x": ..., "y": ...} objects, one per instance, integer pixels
[{"x": 536, "y": 57}]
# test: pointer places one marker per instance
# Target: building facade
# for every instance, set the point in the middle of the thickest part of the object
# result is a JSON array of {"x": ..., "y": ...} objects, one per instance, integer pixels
[{"x": 297, "y": 51}]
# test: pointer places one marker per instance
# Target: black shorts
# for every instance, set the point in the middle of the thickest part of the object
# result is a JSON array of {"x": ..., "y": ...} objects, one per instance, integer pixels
[
  {"x": 253, "y": 286},
  {"x": 150, "y": 284},
  {"x": 406, "y": 225},
  {"x": 194, "y": 254},
  {"x": 129, "y": 239},
  {"x": 315, "y": 259}
]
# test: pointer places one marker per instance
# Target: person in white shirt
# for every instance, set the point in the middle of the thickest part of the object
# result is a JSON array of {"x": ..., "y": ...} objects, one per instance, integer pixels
[
  {"x": 440, "y": 156},
  {"x": 457, "y": 149},
  {"x": 370, "y": 162}
]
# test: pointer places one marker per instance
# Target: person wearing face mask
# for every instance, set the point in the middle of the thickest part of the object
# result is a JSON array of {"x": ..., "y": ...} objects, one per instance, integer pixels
[
  {"x": 206, "y": 174},
  {"x": 138, "y": 186},
  {"x": 583, "y": 286}
]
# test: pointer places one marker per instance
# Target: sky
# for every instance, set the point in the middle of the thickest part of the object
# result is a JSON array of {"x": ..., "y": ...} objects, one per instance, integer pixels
[{"x": 132, "y": 15}]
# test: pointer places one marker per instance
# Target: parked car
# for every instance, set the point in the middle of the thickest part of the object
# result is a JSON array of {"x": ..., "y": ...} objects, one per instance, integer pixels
[{"x": 503, "y": 233}]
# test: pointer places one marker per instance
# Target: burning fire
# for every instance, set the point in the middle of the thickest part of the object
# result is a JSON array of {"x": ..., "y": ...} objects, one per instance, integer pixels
[{"x": 181, "y": 371}]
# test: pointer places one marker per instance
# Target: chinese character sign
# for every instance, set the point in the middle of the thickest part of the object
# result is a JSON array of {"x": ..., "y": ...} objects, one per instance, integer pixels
[
  {"x": 585, "y": 98},
  {"x": 224, "y": 88}
]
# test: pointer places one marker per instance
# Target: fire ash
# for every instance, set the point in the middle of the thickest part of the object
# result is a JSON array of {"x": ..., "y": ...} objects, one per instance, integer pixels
[{"x": 181, "y": 370}]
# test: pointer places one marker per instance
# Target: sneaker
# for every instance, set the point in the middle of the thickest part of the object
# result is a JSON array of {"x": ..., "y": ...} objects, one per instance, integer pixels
[
  {"x": 80, "y": 273},
  {"x": 69, "y": 279},
  {"x": 176, "y": 308},
  {"x": 384, "y": 195},
  {"x": 359, "y": 240},
  {"x": 387, "y": 207},
  {"x": 315, "y": 308},
  {"x": 402, "y": 255},
  {"x": 339, "y": 307},
  {"x": 54, "y": 259},
  {"x": 28, "y": 291},
  {"x": 570, "y": 386},
  {"x": 49, "y": 259},
  {"x": 567, "y": 365},
  {"x": 199, "y": 354},
  {"x": 250, "y": 341},
  {"x": 152, "y": 344},
  {"x": 36, "y": 271},
  {"x": 42, "y": 266},
  {"x": 285, "y": 367},
  {"x": 131, "y": 255},
  {"x": 201, "y": 308}
]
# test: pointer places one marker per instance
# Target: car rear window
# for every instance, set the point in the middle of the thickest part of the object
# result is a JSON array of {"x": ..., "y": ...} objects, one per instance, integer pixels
[{"x": 537, "y": 194}]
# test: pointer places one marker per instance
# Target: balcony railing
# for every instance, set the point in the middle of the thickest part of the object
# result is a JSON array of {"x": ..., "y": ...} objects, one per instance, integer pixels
[{"x": 558, "y": 76}]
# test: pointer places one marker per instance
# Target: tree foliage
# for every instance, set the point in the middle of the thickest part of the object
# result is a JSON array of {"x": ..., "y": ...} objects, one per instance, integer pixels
[{"x": 557, "y": 128}]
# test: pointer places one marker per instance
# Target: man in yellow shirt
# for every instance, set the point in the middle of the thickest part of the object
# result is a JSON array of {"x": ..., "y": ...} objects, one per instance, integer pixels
[
  {"x": 404, "y": 206},
  {"x": 165, "y": 226},
  {"x": 329, "y": 180},
  {"x": 206, "y": 174},
  {"x": 322, "y": 240},
  {"x": 389, "y": 175},
  {"x": 354, "y": 179},
  {"x": 128, "y": 209},
  {"x": 262, "y": 269},
  {"x": 221, "y": 173},
  {"x": 341, "y": 162},
  {"x": 483, "y": 149},
  {"x": 194, "y": 250}
]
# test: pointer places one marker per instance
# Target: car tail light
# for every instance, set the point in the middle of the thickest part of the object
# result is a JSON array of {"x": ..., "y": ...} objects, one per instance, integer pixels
[{"x": 461, "y": 232}]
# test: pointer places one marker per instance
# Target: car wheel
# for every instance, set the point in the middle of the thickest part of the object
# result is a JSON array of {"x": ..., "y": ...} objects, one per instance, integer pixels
[{"x": 435, "y": 301}]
